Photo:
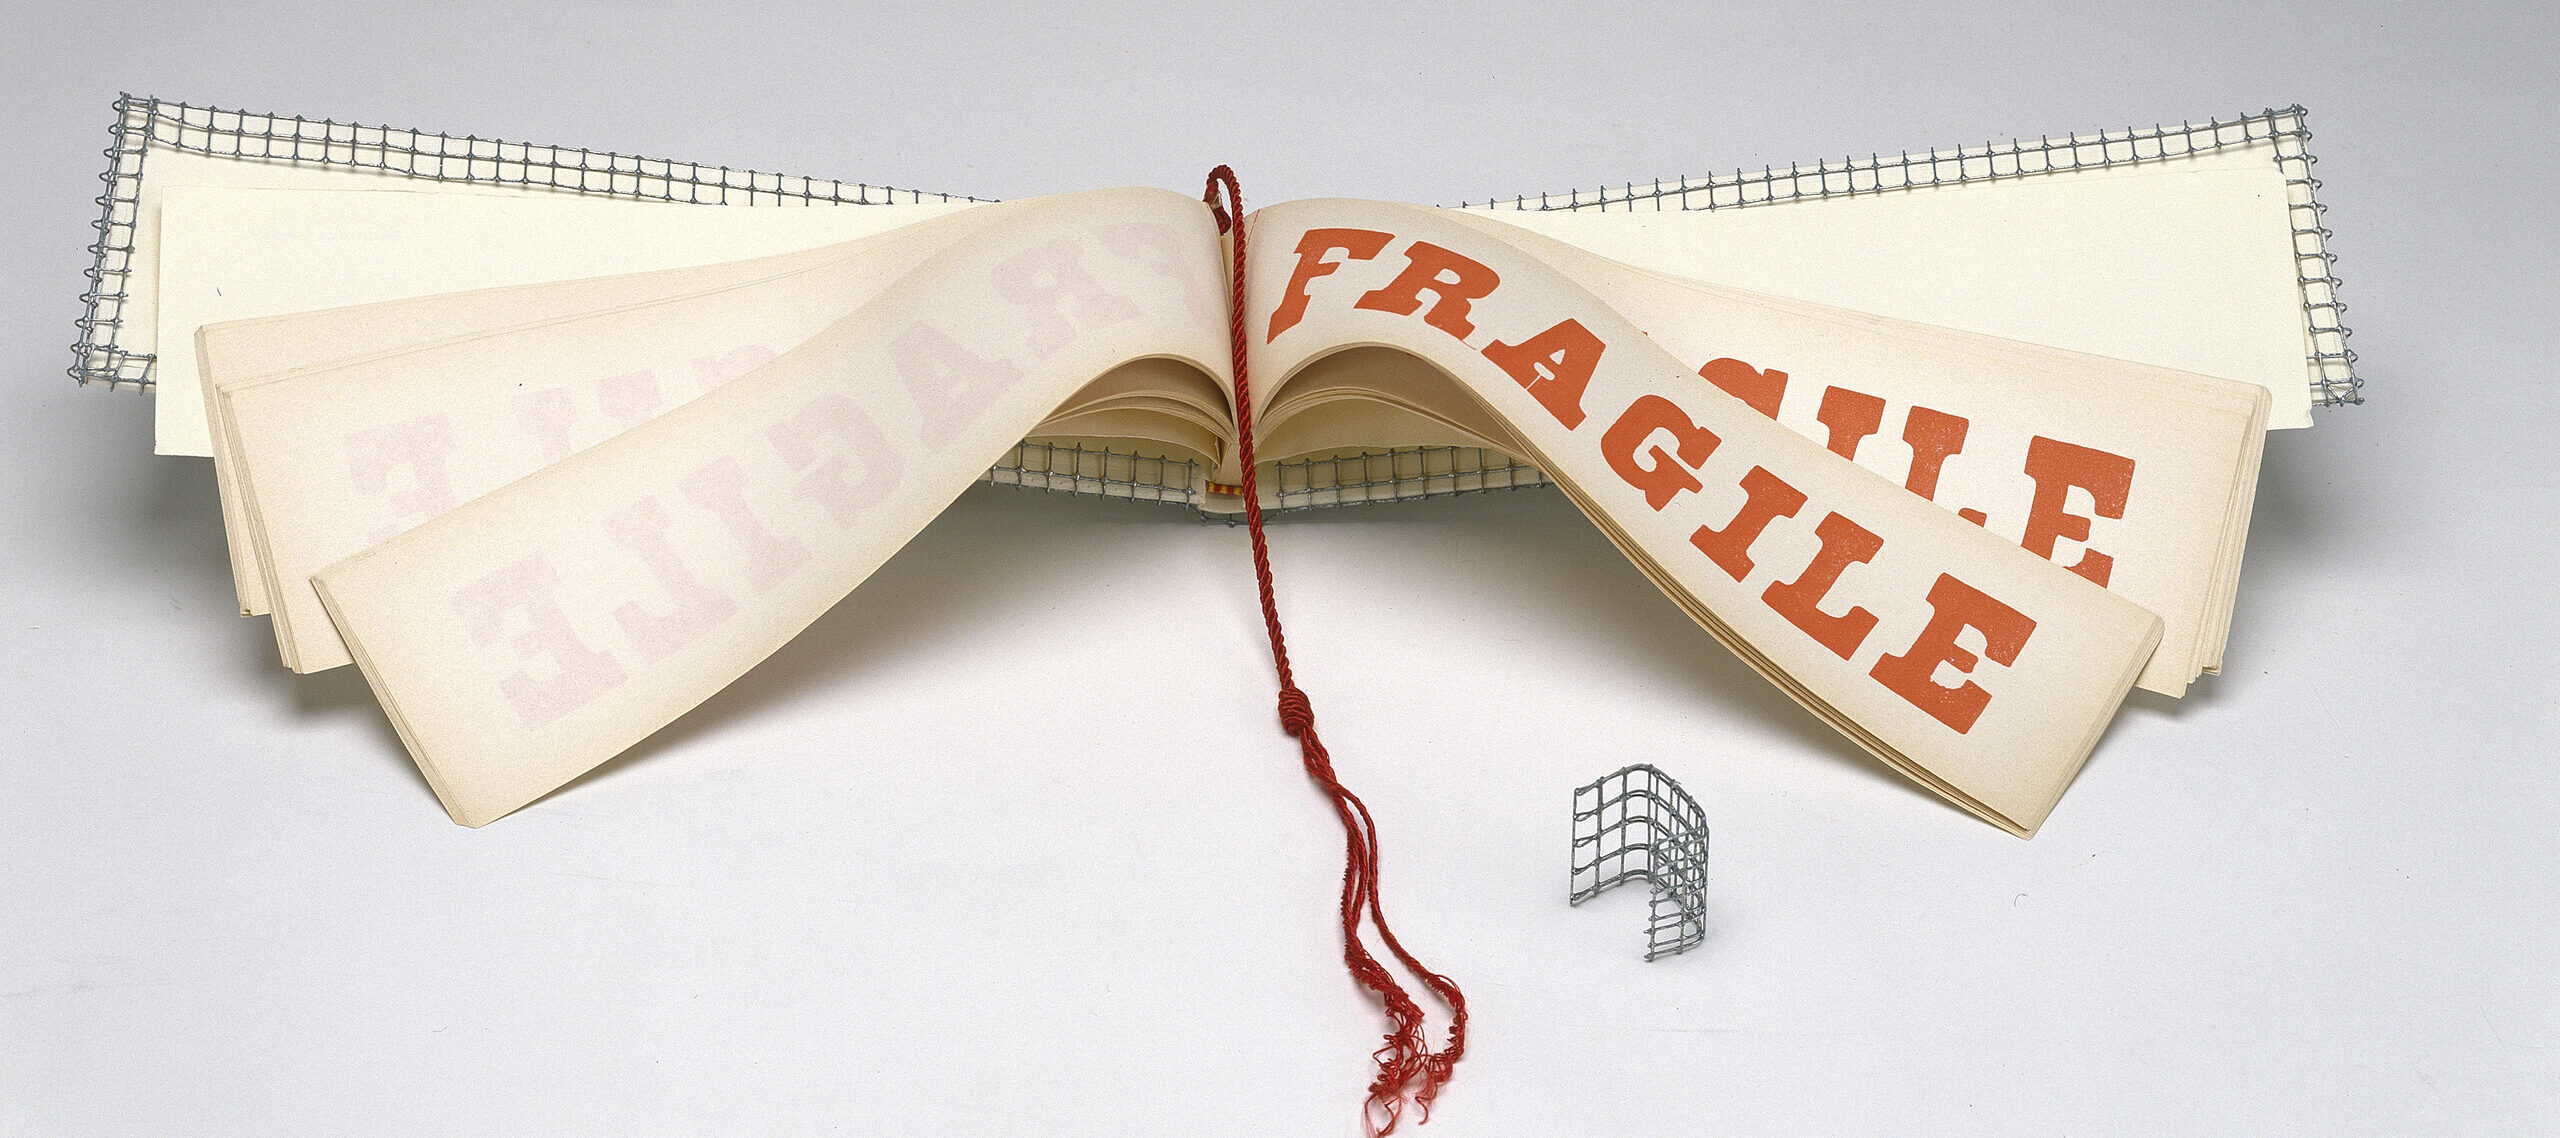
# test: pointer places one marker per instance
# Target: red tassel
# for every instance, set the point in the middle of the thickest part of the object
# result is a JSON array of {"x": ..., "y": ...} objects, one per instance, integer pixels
[{"x": 1406, "y": 1064}]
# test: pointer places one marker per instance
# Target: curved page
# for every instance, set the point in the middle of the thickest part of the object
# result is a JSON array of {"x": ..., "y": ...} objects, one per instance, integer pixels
[
  {"x": 2139, "y": 478},
  {"x": 232, "y": 256},
  {"x": 523, "y": 638},
  {"x": 338, "y": 429},
  {"x": 1977, "y": 668}
]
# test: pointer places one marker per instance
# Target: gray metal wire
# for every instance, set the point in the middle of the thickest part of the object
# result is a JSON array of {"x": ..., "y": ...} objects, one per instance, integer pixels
[
  {"x": 1635, "y": 823},
  {"x": 1066, "y": 468},
  {"x": 96, "y": 358},
  {"x": 1399, "y": 475}
]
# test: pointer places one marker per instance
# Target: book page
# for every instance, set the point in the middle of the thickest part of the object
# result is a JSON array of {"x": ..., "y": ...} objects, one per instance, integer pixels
[
  {"x": 254, "y": 351},
  {"x": 2138, "y": 478},
  {"x": 520, "y": 639},
  {"x": 2185, "y": 263},
  {"x": 233, "y": 252},
  {"x": 324, "y": 460},
  {"x": 236, "y": 354},
  {"x": 1978, "y": 669},
  {"x": 171, "y": 170},
  {"x": 436, "y": 400}
]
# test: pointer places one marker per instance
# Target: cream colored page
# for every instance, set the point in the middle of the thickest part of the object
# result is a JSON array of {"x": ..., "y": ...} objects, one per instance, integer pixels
[
  {"x": 257, "y": 350},
  {"x": 2186, "y": 263},
  {"x": 330, "y": 460},
  {"x": 2124, "y": 474},
  {"x": 235, "y": 252},
  {"x": 167, "y": 170},
  {"x": 1983, "y": 671},
  {"x": 525, "y": 637},
  {"x": 239, "y": 352}
]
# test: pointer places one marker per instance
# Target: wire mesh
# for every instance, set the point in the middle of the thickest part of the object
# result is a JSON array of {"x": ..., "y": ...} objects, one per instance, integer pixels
[
  {"x": 1636, "y": 823},
  {"x": 1074, "y": 469},
  {"x": 1398, "y": 475}
]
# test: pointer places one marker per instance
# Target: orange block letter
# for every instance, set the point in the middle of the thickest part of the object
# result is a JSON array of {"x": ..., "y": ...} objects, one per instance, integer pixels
[
  {"x": 1731, "y": 546},
  {"x": 1955, "y": 606},
  {"x": 1851, "y": 415},
  {"x": 1762, "y": 390},
  {"x": 1456, "y": 281},
  {"x": 1664, "y": 478},
  {"x": 1844, "y": 543},
  {"x": 1360, "y": 244},
  {"x": 1933, "y": 436},
  {"x": 1555, "y": 365},
  {"x": 2057, "y": 467}
]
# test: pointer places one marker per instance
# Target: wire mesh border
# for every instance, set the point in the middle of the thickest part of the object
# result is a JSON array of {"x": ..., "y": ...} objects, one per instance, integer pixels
[
  {"x": 96, "y": 358},
  {"x": 142, "y": 122},
  {"x": 2331, "y": 369},
  {"x": 1397, "y": 475},
  {"x": 1073, "y": 469},
  {"x": 1641, "y": 821}
]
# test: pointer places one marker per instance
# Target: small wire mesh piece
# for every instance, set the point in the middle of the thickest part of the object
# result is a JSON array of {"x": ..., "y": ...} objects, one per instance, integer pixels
[
  {"x": 1067, "y": 468},
  {"x": 2332, "y": 372},
  {"x": 1636, "y": 823}
]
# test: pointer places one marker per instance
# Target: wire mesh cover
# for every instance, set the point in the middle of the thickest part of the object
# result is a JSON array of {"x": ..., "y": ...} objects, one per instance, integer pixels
[
  {"x": 1637, "y": 824},
  {"x": 142, "y": 124},
  {"x": 2331, "y": 364}
]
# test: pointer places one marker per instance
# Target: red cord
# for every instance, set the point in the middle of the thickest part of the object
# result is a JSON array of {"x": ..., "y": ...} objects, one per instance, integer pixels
[{"x": 1405, "y": 1064}]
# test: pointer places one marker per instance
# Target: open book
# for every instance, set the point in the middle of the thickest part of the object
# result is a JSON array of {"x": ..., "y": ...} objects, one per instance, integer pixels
[
  {"x": 546, "y": 520},
  {"x": 548, "y": 517}
]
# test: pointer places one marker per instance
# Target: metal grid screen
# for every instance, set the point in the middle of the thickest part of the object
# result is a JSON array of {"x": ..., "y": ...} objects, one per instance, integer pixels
[
  {"x": 1398, "y": 475},
  {"x": 1634, "y": 824},
  {"x": 1071, "y": 469}
]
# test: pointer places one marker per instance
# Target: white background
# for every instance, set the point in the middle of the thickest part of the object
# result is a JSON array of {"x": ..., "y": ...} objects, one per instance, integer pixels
[{"x": 1009, "y": 842}]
